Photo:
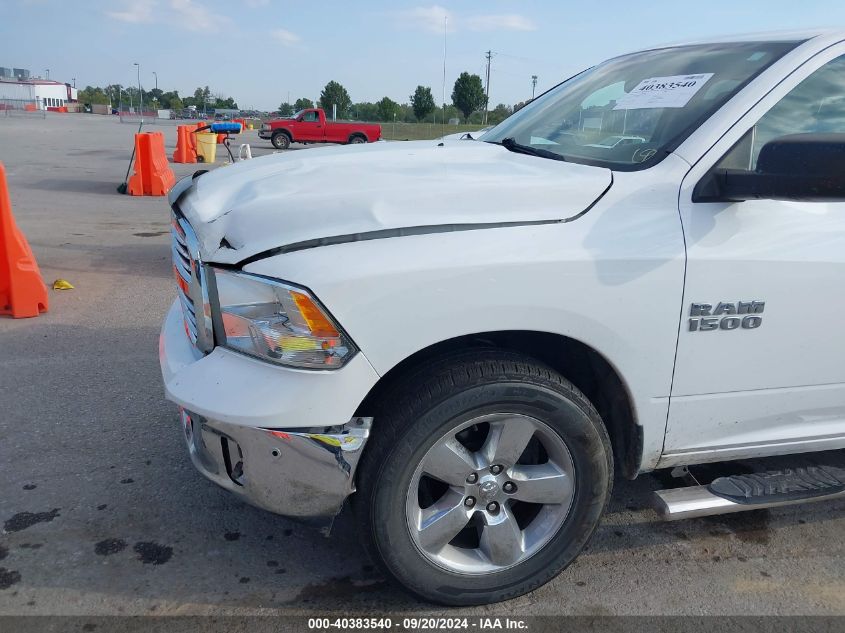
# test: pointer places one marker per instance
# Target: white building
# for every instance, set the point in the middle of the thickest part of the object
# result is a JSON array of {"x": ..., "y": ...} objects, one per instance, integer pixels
[{"x": 44, "y": 93}]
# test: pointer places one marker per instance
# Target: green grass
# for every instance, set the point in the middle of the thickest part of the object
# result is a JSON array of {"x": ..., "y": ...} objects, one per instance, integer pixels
[{"x": 421, "y": 131}]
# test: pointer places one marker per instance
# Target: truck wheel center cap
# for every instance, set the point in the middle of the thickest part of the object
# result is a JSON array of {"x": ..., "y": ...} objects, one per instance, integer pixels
[{"x": 488, "y": 490}]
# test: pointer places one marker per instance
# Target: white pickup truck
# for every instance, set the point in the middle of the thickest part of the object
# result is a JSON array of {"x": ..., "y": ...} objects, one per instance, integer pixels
[{"x": 474, "y": 336}]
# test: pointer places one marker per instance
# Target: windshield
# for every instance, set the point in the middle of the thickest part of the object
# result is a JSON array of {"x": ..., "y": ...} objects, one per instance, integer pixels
[{"x": 631, "y": 111}]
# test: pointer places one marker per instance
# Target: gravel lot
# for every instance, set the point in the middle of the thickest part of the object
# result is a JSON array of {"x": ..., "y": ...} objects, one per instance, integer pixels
[{"x": 104, "y": 514}]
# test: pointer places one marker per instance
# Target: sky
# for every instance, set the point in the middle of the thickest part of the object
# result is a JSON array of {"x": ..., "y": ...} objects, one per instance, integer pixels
[{"x": 264, "y": 52}]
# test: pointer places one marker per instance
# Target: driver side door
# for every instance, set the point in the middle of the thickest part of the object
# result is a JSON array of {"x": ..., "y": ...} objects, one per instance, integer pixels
[
  {"x": 759, "y": 367},
  {"x": 309, "y": 128}
]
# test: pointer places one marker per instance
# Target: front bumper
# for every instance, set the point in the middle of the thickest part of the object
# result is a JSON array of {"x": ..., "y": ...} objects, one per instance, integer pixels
[
  {"x": 265, "y": 133},
  {"x": 282, "y": 439},
  {"x": 296, "y": 473}
]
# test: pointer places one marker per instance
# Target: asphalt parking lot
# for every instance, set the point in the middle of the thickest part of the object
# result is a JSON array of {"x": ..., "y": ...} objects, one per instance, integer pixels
[{"x": 103, "y": 513}]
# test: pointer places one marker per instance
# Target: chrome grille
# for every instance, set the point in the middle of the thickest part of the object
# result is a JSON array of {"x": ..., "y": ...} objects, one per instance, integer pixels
[{"x": 190, "y": 284}]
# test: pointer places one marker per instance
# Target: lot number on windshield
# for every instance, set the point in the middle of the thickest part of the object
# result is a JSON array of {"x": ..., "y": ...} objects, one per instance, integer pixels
[{"x": 663, "y": 92}]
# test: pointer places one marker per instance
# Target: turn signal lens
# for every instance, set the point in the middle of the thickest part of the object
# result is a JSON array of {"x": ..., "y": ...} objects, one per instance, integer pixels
[{"x": 314, "y": 317}]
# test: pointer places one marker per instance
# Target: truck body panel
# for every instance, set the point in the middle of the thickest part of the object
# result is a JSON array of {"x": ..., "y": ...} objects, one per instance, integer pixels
[
  {"x": 720, "y": 318},
  {"x": 386, "y": 186},
  {"x": 312, "y": 126},
  {"x": 784, "y": 382},
  {"x": 612, "y": 279}
]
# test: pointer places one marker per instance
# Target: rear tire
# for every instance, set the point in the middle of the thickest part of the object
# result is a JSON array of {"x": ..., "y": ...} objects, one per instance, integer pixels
[
  {"x": 280, "y": 140},
  {"x": 515, "y": 426},
  {"x": 356, "y": 140}
]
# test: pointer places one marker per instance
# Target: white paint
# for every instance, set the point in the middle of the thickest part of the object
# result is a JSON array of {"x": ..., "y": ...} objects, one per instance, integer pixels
[
  {"x": 613, "y": 279},
  {"x": 239, "y": 389},
  {"x": 783, "y": 382},
  {"x": 293, "y": 196}
]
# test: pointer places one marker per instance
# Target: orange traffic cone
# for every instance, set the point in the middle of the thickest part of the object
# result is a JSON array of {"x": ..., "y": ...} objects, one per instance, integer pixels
[
  {"x": 184, "y": 152},
  {"x": 22, "y": 291},
  {"x": 153, "y": 176}
]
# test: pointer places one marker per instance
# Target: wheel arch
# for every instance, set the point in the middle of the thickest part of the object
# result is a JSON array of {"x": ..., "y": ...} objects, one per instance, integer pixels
[
  {"x": 581, "y": 364},
  {"x": 285, "y": 131}
]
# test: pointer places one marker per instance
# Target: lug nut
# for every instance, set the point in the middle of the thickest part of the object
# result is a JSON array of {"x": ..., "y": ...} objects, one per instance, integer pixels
[
  {"x": 472, "y": 478},
  {"x": 495, "y": 469},
  {"x": 492, "y": 507},
  {"x": 509, "y": 487},
  {"x": 469, "y": 502}
]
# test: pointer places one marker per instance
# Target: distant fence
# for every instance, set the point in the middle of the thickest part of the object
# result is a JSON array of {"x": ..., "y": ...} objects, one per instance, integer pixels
[
  {"x": 20, "y": 107},
  {"x": 150, "y": 118}
]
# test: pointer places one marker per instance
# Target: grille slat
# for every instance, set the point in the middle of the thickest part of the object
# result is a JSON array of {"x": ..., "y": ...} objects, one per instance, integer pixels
[
  {"x": 188, "y": 272},
  {"x": 188, "y": 309},
  {"x": 182, "y": 265}
]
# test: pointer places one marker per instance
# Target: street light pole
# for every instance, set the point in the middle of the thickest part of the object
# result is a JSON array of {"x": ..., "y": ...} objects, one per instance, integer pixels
[
  {"x": 48, "y": 73},
  {"x": 140, "y": 92},
  {"x": 74, "y": 82},
  {"x": 156, "y": 76},
  {"x": 533, "y": 85}
]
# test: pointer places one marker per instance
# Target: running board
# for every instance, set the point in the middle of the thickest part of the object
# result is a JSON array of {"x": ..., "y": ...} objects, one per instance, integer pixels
[{"x": 738, "y": 493}]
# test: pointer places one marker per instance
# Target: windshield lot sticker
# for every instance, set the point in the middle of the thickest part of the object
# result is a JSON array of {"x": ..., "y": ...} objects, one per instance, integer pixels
[{"x": 663, "y": 92}]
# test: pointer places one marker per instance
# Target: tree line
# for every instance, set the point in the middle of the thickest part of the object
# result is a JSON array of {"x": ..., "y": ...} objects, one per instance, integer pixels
[
  {"x": 156, "y": 98},
  {"x": 468, "y": 100}
]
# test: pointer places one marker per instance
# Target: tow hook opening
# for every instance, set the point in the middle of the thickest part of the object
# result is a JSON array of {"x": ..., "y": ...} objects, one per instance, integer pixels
[{"x": 233, "y": 459}]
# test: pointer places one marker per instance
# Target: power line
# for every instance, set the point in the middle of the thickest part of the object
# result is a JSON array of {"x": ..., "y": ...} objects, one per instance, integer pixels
[{"x": 531, "y": 60}]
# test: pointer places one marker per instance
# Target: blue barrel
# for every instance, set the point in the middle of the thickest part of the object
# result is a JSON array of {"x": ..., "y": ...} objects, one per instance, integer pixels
[{"x": 226, "y": 127}]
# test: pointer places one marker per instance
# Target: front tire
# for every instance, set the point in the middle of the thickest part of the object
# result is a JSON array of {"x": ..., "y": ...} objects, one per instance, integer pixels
[
  {"x": 280, "y": 140},
  {"x": 485, "y": 476}
]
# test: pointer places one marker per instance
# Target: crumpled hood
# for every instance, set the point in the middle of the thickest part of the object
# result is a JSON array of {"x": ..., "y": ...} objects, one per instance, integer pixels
[{"x": 254, "y": 206}]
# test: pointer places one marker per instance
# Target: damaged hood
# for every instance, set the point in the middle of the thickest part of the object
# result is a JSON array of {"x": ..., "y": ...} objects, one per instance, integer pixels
[{"x": 285, "y": 199}]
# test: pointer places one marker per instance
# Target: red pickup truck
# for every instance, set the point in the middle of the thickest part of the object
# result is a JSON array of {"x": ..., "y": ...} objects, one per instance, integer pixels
[{"x": 311, "y": 126}]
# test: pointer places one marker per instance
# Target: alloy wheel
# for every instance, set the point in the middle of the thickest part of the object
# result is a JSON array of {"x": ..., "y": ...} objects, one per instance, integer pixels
[{"x": 490, "y": 493}]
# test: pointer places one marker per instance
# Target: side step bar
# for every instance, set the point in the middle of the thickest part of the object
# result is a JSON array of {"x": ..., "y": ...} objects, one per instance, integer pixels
[{"x": 738, "y": 493}]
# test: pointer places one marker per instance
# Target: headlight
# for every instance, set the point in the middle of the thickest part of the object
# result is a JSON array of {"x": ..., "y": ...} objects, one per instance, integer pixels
[{"x": 279, "y": 323}]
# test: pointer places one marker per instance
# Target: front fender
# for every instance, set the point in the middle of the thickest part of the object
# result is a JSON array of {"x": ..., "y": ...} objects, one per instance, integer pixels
[{"x": 612, "y": 280}]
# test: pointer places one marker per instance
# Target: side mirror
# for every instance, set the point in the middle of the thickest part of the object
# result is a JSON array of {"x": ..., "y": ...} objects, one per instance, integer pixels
[{"x": 807, "y": 167}]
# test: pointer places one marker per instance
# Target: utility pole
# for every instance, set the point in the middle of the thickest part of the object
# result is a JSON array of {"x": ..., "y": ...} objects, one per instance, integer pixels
[
  {"x": 48, "y": 73},
  {"x": 445, "y": 30},
  {"x": 487, "y": 95},
  {"x": 156, "y": 76},
  {"x": 140, "y": 92},
  {"x": 74, "y": 82},
  {"x": 533, "y": 85}
]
